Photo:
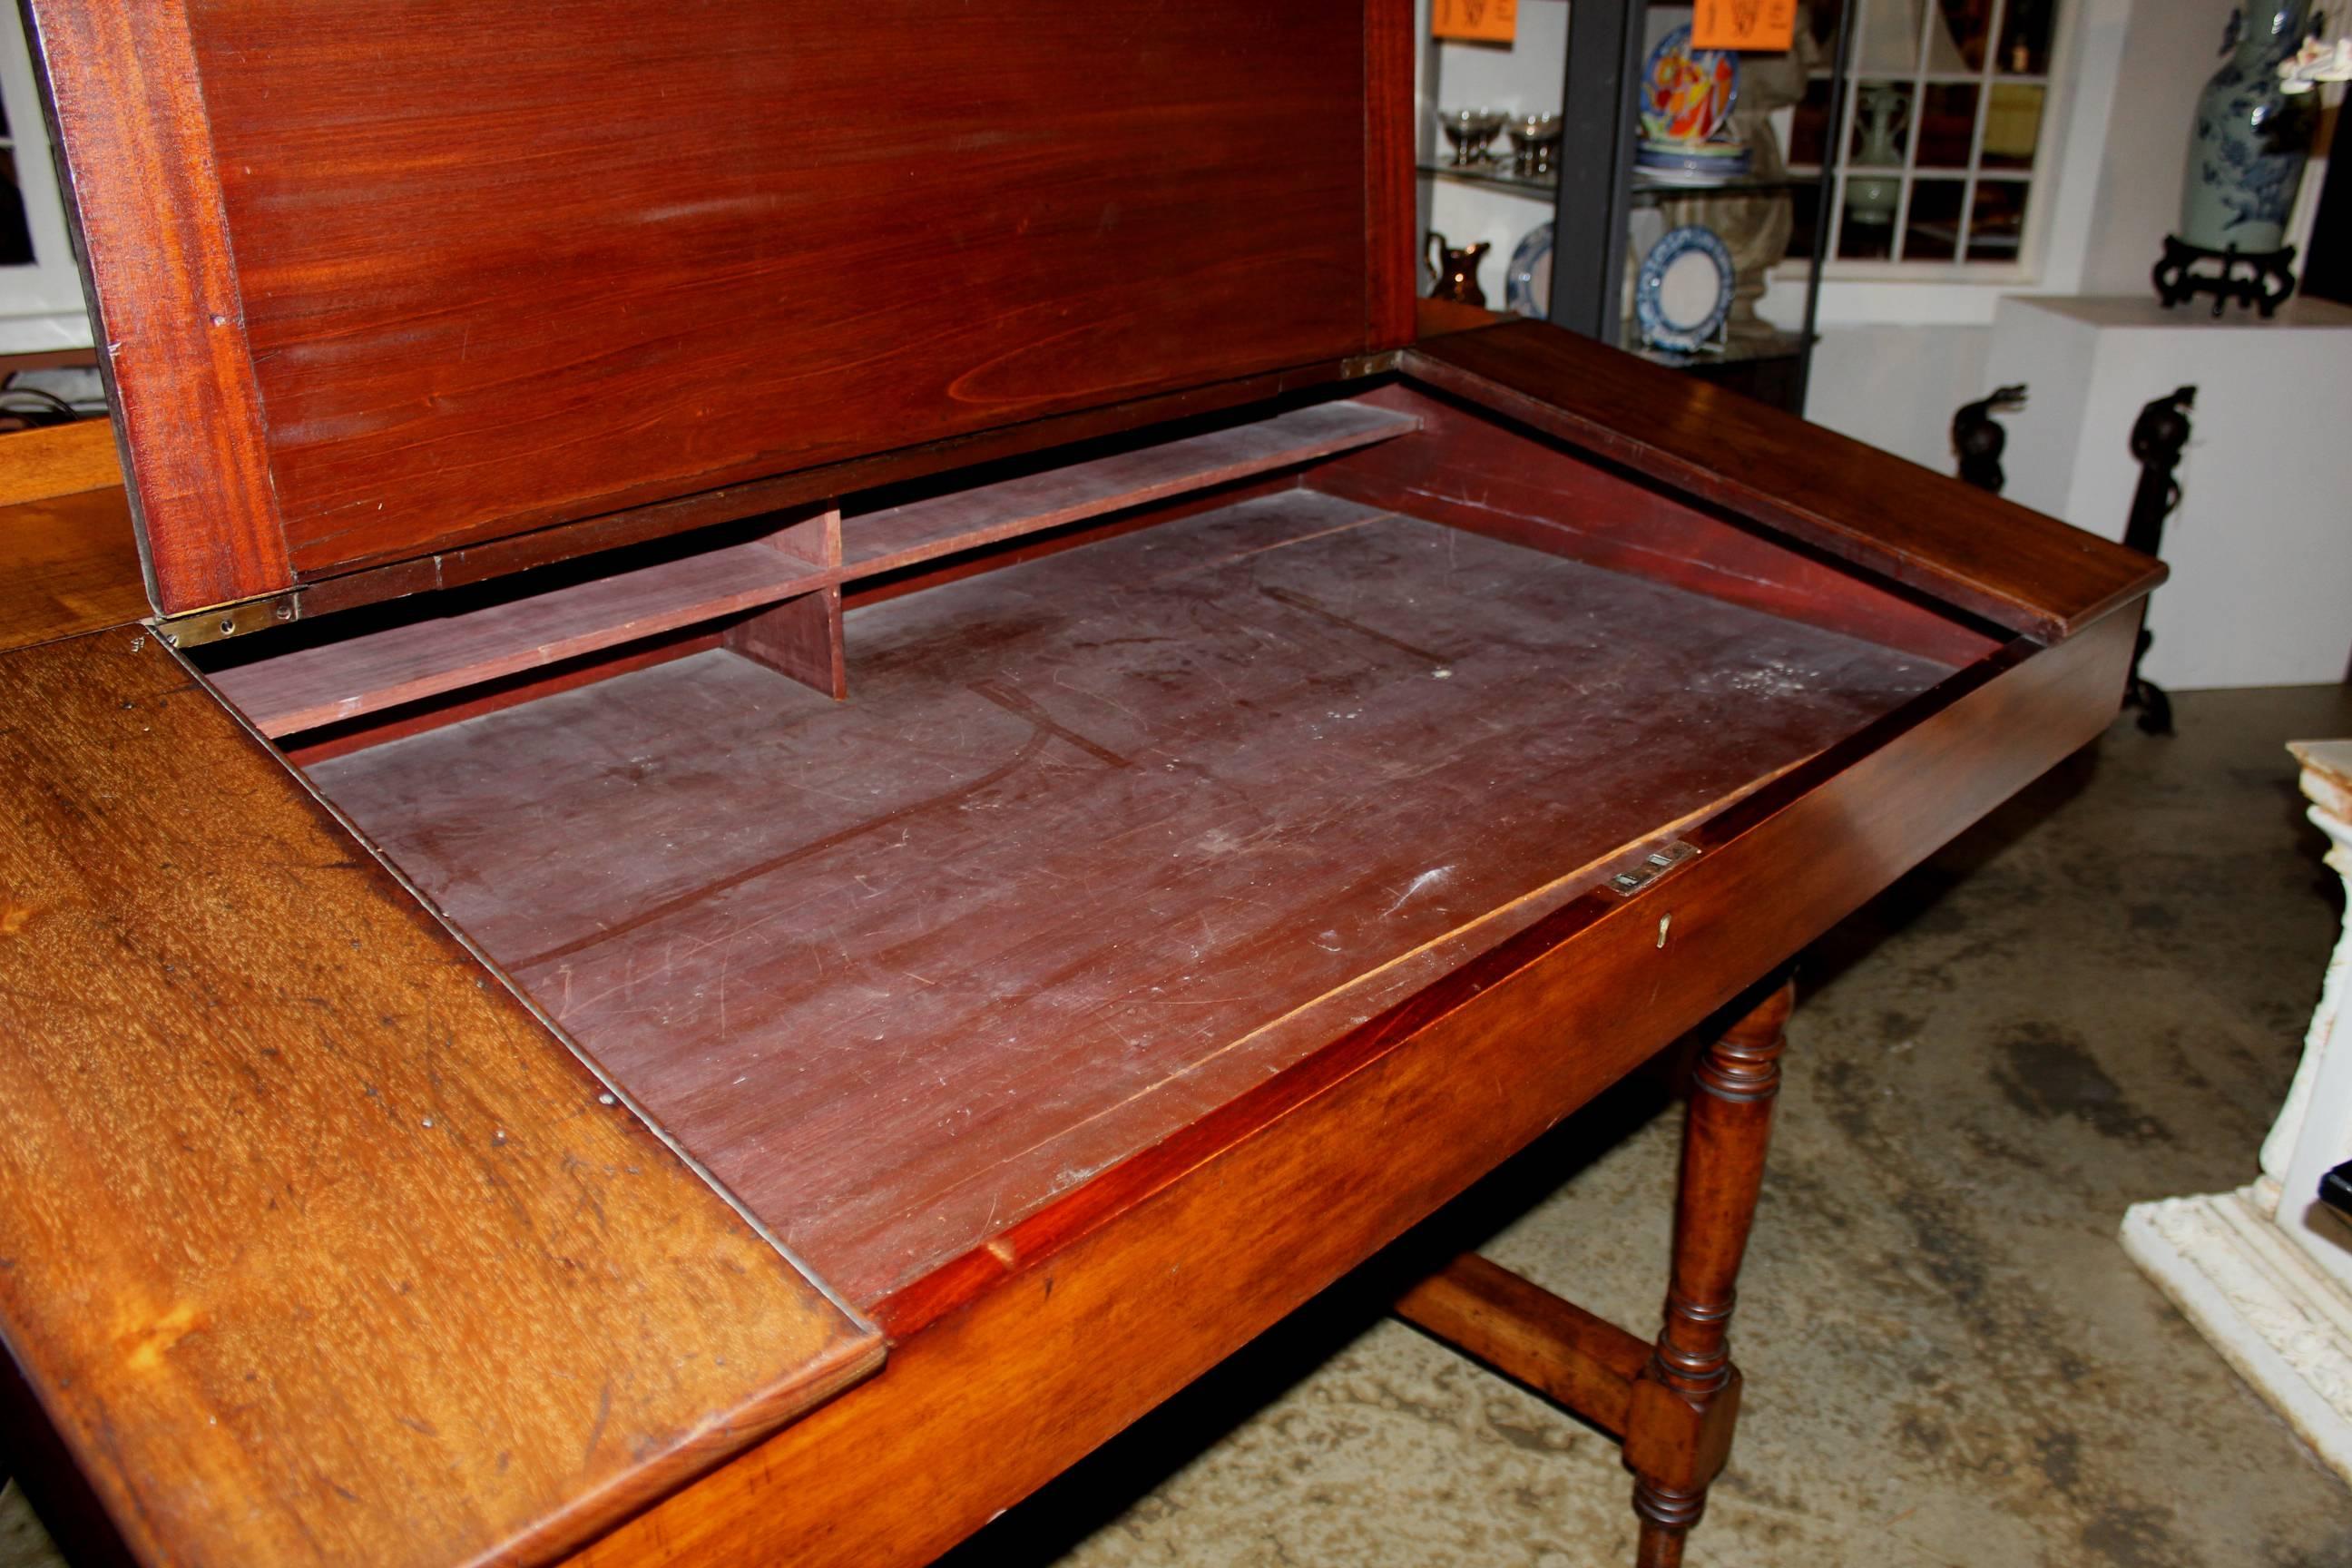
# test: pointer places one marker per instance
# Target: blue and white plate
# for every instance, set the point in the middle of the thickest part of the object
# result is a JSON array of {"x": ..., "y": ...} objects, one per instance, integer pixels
[
  {"x": 1528, "y": 289},
  {"x": 1682, "y": 296}
]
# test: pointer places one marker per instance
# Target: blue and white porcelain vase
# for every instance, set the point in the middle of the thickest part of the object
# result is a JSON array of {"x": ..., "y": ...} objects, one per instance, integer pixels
[{"x": 2247, "y": 148}]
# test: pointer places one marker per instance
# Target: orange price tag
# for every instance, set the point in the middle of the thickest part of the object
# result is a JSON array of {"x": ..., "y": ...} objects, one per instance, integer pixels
[
  {"x": 1481, "y": 21},
  {"x": 1762, "y": 25}
]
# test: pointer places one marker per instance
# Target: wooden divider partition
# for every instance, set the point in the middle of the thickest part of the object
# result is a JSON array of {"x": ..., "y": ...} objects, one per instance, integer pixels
[{"x": 787, "y": 584}]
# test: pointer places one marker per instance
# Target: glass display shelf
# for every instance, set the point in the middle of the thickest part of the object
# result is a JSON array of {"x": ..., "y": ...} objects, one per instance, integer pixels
[{"x": 1645, "y": 188}]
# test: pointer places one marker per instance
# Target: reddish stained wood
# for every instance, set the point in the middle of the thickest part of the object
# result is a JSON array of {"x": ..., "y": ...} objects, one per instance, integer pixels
[
  {"x": 902, "y": 536},
  {"x": 1025, "y": 1353},
  {"x": 331, "y": 682},
  {"x": 800, "y": 638},
  {"x": 1470, "y": 471},
  {"x": 1524, "y": 1331},
  {"x": 1212, "y": 721},
  {"x": 1924, "y": 531},
  {"x": 318, "y": 1248},
  {"x": 1392, "y": 243},
  {"x": 133, "y": 134},
  {"x": 327, "y": 683},
  {"x": 609, "y": 294},
  {"x": 452, "y": 707},
  {"x": 755, "y": 498}
]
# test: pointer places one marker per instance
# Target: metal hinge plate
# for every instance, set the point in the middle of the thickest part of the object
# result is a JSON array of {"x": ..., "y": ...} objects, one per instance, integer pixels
[{"x": 1651, "y": 867}]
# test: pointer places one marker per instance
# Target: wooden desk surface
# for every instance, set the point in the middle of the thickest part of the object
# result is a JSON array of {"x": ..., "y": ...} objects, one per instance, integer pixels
[
  {"x": 1097, "y": 843},
  {"x": 317, "y": 1248},
  {"x": 68, "y": 558}
]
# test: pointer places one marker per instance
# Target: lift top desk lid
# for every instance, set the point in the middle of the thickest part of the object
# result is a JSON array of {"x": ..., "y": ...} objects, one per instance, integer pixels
[{"x": 382, "y": 290}]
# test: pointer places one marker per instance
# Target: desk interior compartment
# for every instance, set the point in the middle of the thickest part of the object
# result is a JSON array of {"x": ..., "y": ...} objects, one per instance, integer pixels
[{"x": 1086, "y": 791}]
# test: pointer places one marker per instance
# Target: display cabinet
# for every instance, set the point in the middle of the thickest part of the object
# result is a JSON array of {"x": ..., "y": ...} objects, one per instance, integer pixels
[{"x": 1575, "y": 241}]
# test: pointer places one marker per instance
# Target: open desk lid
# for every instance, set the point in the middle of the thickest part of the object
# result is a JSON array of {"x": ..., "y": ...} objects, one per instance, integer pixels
[{"x": 405, "y": 278}]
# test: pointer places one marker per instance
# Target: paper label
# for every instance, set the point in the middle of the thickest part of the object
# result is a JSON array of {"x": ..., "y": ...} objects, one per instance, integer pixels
[
  {"x": 1483, "y": 21},
  {"x": 1760, "y": 24}
]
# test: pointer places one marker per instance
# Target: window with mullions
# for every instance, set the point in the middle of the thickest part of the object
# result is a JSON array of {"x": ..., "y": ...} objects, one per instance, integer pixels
[{"x": 1946, "y": 127}]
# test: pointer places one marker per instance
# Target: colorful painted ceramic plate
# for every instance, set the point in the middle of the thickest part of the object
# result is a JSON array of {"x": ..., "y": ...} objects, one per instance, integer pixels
[
  {"x": 1686, "y": 93},
  {"x": 1528, "y": 289},
  {"x": 1682, "y": 293}
]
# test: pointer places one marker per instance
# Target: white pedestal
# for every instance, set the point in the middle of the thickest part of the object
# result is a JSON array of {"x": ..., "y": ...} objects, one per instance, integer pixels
[
  {"x": 2259, "y": 575},
  {"x": 2265, "y": 1272}
]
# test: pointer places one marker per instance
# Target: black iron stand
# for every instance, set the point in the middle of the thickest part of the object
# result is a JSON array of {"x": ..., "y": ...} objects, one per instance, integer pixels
[
  {"x": 2157, "y": 437},
  {"x": 2261, "y": 279},
  {"x": 1977, "y": 439}
]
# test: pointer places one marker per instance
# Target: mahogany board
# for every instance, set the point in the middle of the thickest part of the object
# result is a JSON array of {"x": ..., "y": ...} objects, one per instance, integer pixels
[
  {"x": 317, "y": 1248},
  {"x": 1099, "y": 841},
  {"x": 439, "y": 273}
]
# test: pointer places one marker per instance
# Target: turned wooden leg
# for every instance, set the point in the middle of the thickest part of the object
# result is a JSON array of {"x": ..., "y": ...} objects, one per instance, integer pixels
[{"x": 1687, "y": 1400}]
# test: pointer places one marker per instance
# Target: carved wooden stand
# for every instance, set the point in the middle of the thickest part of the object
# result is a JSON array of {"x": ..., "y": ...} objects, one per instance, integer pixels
[{"x": 1673, "y": 1405}]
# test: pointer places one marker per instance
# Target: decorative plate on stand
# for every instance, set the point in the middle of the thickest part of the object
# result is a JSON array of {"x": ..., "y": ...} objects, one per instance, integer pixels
[
  {"x": 1527, "y": 289},
  {"x": 1683, "y": 294}
]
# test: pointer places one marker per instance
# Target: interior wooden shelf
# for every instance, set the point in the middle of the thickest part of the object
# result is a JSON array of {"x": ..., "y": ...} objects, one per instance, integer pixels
[
  {"x": 922, "y": 531},
  {"x": 303, "y": 689}
]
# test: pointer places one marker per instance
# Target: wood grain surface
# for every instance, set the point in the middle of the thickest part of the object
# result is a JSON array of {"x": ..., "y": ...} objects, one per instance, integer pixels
[
  {"x": 1470, "y": 471},
  {"x": 1922, "y": 530},
  {"x": 68, "y": 556},
  {"x": 1097, "y": 842},
  {"x": 602, "y": 255},
  {"x": 1031, "y": 1350},
  {"x": 317, "y": 1246},
  {"x": 133, "y": 134}
]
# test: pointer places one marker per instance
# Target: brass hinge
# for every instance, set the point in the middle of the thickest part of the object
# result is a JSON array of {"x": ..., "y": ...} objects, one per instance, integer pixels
[{"x": 229, "y": 620}]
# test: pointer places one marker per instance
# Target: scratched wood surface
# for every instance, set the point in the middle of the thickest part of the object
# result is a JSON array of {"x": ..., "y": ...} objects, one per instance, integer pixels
[
  {"x": 1952, "y": 542},
  {"x": 1097, "y": 842},
  {"x": 606, "y": 254},
  {"x": 316, "y": 1246}
]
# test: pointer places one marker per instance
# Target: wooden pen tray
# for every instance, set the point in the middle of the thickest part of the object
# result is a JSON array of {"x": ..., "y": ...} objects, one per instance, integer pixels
[{"x": 1333, "y": 698}]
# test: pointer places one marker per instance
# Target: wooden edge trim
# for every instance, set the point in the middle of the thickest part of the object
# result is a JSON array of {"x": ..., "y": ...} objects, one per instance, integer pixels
[
  {"x": 1389, "y": 132},
  {"x": 1090, "y": 1313},
  {"x": 1481, "y": 1308},
  {"x": 2129, "y": 576},
  {"x": 134, "y": 137}
]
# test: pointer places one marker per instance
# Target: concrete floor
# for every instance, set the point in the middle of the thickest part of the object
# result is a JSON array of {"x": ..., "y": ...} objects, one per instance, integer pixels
[{"x": 2097, "y": 997}]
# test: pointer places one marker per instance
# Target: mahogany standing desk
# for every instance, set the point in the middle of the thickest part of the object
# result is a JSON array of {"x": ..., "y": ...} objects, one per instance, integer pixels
[{"x": 721, "y": 921}]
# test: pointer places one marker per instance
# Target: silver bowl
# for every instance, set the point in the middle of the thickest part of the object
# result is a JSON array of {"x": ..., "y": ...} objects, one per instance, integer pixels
[{"x": 1470, "y": 131}]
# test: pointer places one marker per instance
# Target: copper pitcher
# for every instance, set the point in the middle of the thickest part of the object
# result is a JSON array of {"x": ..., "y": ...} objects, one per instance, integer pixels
[{"x": 1453, "y": 274}]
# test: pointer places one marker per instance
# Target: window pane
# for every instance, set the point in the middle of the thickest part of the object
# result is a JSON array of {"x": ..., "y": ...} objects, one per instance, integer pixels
[
  {"x": 1948, "y": 127},
  {"x": 1867, "y": 233},
  {"x": 2025, "y": 37},
  {"x": 1959, "y": 43},
  {"x": 1998, "y": 221},
  {"x": 1932, "y": 232},
  {"x": 1809, "y": 124},
  {"x": 1881, "y": 125},
  {"x": 16, "y": 237},
  {"x": 2013, "y": 125}
]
